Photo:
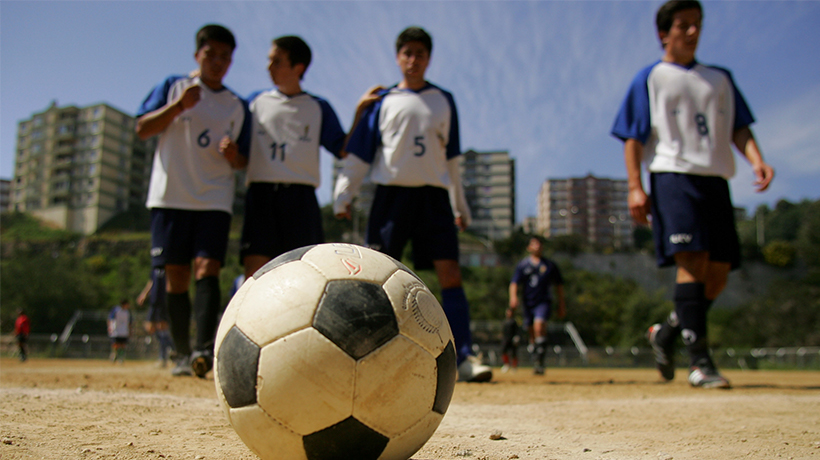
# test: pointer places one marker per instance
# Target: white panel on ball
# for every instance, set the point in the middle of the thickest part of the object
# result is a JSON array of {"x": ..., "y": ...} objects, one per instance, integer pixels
[
  {"x": 305, "y": 381},
  {"x": 255, "y": 427},
  {"x": 419, "y": 314},
  {"x": 395, "y": 386},
  {"x": 281, "y": 302},
  {"x": 347, "y": 261}
]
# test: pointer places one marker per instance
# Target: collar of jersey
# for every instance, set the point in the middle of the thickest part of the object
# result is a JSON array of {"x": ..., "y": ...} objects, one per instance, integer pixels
[
  {"x": 427, "y": 85},
  {"x": 276, "y": 90},
  {"x": 689, "y": 66}
]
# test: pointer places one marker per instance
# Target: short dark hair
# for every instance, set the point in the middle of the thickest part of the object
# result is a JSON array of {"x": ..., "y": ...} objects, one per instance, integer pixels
[
  {"x": 216, "y": 33},
  {"x": 666, "y": 13},
  {"x": 414, "y": 34},
  {"x": 125, "y": 301},
  {"x": 298, "y": 50}
]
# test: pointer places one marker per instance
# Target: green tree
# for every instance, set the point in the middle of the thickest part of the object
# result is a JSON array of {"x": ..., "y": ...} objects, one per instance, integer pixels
[{"x": 779, "y": 253}]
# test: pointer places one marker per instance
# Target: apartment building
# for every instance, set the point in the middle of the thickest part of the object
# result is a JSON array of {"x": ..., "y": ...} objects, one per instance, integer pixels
[
  {"x": 489, "y": 186},
  {"x": 593, "y": 207},
  {"x": 79, "y": 166}
]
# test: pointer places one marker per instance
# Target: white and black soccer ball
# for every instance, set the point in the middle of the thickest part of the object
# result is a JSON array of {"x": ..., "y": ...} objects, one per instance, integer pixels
[{"x": 334, "y": 351}]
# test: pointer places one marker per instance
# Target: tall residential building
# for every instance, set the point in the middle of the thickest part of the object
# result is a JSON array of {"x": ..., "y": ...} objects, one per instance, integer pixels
[
  {"x": 593, "y": 207},
  {"x": 5, "y": 195},
  {"x": 79, "y": 166},
  {"x": 489, "y": 186}
]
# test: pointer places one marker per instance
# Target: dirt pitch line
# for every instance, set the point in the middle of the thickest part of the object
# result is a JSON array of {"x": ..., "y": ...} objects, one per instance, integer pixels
[{"x": 84, "y": 409}]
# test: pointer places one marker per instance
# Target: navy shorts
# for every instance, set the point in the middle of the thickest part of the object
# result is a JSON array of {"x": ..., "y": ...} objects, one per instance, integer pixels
[
  {"x": 693, "y": 213},
  {"x": 542, "y": 312},
  {"x": 179, "y": 235},
  {"x": 280, "y": 218},
  {"x": 422, "y": 215}
]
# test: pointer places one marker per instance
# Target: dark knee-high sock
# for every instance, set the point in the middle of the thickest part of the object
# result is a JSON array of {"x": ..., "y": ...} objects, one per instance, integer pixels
[
  {"x": 457, "y": 310},
  {"x": 690, "y": 307},
  {"x": 669, "y": 331},
  {"x": 179, "y": 318},
  {"x": 207, "y": 304}
]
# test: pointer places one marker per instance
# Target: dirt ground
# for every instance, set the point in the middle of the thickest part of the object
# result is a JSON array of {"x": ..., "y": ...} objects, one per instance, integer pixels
[{"x": 85, "y": 409}]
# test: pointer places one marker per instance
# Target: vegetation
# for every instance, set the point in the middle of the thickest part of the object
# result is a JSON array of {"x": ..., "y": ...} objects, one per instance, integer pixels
[{"x": 52, "y": 273}]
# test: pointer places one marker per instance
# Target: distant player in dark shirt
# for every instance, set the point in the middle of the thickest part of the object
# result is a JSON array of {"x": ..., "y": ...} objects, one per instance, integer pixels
[{"x": 536, "y": 275}]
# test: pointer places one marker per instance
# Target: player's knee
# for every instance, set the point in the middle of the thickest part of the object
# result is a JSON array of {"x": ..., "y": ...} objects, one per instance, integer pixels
[{"x": 206, "y": 267}]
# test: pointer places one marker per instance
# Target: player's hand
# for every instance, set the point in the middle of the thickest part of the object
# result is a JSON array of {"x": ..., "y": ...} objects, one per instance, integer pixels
[
  {"x": 460, "y": 223},
  {"x": 230, "y": 150},
  {"x": 639, "y": 206},
  {"x": 190, "y": 97},
  {"x": 370, "y": 97},
  {"x": 513, "y": 303},
  {"x": 763, "y": 176},
  {"x": 346, "y": 215}
]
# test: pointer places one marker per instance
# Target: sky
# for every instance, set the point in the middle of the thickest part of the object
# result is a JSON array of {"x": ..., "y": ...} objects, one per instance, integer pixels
[{"x": 542, "y": 80}]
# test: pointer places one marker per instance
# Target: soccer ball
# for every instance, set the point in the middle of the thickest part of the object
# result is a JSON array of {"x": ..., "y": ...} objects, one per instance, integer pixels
[{"x": 334, "y": 351}]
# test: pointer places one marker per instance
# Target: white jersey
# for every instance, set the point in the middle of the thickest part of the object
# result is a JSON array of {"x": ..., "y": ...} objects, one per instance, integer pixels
[
  {"x": 286, "y": 134},
  {"x": 685, "y": 117},
  {"x": 408, "y": 137},
  {"x": 188, "y": 171},
  {"x": 119, "y": 322}
]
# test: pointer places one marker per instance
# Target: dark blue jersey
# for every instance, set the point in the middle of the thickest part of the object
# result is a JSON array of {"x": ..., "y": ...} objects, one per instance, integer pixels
[{"x": 536, "y": 279}]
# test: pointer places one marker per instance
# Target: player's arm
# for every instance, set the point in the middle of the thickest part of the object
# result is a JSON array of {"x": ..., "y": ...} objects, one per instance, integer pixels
[
  {"x": 637, "y": 198},
  {"x": 348, "y": 184},
  {"x": 562, "y": 306},
  {"x": 458, "y": 201},
  {"x": 368, "y": 98},
  {"x": 745, "y": 142},
  {"x": 157, "y": 121},
  {"x": 143, "y": 296},
  {"x": 230, "y": 150},
  {"x": 513, "y": 295}
]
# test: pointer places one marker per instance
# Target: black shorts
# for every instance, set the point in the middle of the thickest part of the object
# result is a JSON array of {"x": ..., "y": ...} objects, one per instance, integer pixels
[
  {"x": 280, "y": 218},
  {"x": 422, "y": 215},
  {"x": 179, "y": 235},
  {"x": 693, "y": 213}
]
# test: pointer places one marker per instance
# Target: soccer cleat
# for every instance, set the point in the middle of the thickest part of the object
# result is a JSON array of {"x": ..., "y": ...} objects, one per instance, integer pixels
[
  {"x": 704, "y": 375},
  {"x": 505, "y": 368},
  {"x": 182, "y": 367},
  {"x": 664, "y": 355},
  {"x": 471, "y": 370},
  {"x": 202, "y": 362}
]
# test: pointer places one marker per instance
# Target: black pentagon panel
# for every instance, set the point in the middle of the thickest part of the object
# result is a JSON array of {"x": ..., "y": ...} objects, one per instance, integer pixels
[
  {"x": 237, "y": 363},
  {"x": 349, "y": 439},
  {"x": 355, "y": 315},
  {"x": 282, "y": 259},
  {"x": 446, "y": 368}
]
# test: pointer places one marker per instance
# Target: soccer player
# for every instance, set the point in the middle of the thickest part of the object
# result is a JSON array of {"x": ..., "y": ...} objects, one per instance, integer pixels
[
  {"x": 119, "y": 329},
  {"x": 281, "y": 210},
  {"x": 204, "y": 131},
  {"x": 22, "y": 329},
  {"x": 536, "y": 274},
  {"x": 156, "y": 320},
  {"x": 409, "y": 142},
  {"x": 681, "y": 117},
  {"x": 509, "y": 341}
]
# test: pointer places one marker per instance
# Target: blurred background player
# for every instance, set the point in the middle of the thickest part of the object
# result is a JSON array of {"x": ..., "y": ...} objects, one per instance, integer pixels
[
  {"x": 281, "y": 210},
  {"x": 204, "y": 131},
  {"x": 680, "y": 118},
  {"x": 119, "y": 330},
  {"x": 22, "y": 329},
  {"x": 156, "y": 320},
  {"x": 509, "y": 341},
  {"x": 409, "y": 142},
  {"x": 536, "y": 274}
]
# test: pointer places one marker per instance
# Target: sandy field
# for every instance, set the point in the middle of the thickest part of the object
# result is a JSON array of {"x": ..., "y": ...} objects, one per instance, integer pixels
[{"x": 87, "y": 409}]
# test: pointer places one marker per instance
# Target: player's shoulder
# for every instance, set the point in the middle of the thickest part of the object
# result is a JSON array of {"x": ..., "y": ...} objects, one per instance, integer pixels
[{"x": 259, "y": 94}]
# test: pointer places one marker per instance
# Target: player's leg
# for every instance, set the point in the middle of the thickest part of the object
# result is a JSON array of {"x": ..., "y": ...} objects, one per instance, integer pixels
[
  {"x": 259, "y": 229},
  {"x": 210, "y": 247},
  {"x": 540, "y": 313},
  {"x": 178, "y": 301}
]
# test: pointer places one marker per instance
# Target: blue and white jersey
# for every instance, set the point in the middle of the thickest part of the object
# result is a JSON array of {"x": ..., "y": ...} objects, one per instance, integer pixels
[
  {"x": 189, "y": 172},
  {"x": 685, "y": 117},
  {"x": 536, "y": 279},
  {"x": 408, "y": 136},
  {"x": 287, "y": 133},
  {"x": 119, "y": 322}
]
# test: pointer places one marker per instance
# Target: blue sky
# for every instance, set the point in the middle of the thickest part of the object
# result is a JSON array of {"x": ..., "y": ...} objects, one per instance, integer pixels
[{"x": 540, "y": 79}]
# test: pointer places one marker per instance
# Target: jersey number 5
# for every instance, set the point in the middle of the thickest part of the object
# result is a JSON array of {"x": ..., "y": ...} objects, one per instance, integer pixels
[{"x": 419, "y": 142}]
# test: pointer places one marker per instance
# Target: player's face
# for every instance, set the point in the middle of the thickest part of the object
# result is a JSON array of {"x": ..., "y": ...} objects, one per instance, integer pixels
[
  {"x": 681, "y": 41},
  {"x": 214, "y": 59},
  {"x": 282, "y": 72},
  {"x": 534, "y": 247},
  {"x": 413, "y": 59}
]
